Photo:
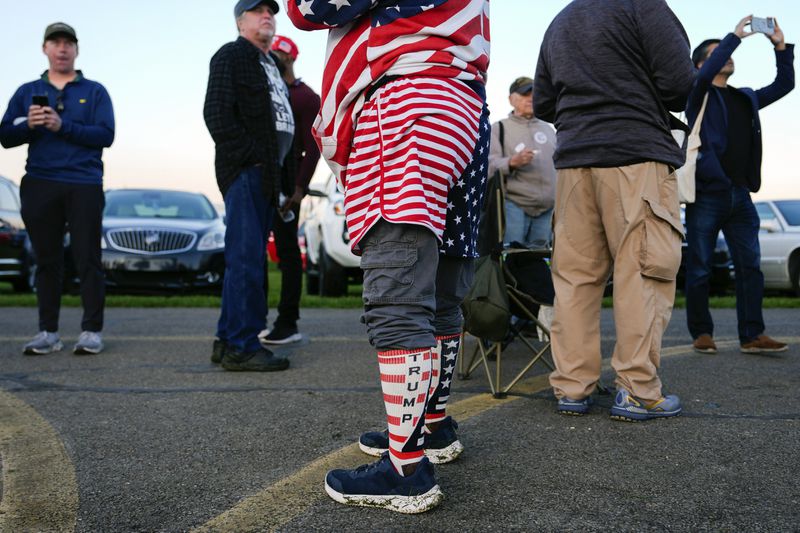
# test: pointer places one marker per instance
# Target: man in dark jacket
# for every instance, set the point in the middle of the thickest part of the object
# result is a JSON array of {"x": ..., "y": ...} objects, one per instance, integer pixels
[
  {"x": 608, "y": 93},
  {"x": 66, "y": 120},
  {"x": 248, "y": 114},
  {"x": 728, "y": 169},
  {"x": 305, "y": 106}
]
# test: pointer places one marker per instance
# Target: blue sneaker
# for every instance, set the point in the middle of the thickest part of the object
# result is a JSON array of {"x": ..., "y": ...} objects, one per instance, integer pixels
[
  {"x": 630, "y": 409},
  {"x": 442, "y": 446},
  {"x": 379, "y": 485},
  {"x": 567, "y": 406}
]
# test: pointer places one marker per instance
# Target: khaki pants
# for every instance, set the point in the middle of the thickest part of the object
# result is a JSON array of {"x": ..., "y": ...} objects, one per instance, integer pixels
[{"x": 625, "y": 218}]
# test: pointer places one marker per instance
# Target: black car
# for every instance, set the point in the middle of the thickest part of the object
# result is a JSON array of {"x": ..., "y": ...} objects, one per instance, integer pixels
[
  {"x": 157, "y": 240},
  {"x": 15, "y": 247}
]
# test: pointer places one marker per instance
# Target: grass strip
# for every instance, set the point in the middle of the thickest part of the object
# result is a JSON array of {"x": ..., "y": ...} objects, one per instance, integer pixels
[{"x": 352, "y": 301}]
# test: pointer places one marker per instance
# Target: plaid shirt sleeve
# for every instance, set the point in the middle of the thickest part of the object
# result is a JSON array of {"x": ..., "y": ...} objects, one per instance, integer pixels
[{"x": 221, "y": 116}]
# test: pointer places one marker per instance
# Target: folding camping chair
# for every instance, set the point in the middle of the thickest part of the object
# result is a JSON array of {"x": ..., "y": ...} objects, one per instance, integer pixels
[{"x": 525, "y": 277}]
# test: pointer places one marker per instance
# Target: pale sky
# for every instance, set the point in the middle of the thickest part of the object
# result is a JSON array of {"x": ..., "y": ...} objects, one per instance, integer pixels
[{"x": 152, "y": 56}]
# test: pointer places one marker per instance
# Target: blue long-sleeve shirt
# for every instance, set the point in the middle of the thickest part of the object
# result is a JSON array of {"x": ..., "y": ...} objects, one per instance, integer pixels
[
  {"x": 74, "y": 153},
  {"x": 710, "y": 175}
]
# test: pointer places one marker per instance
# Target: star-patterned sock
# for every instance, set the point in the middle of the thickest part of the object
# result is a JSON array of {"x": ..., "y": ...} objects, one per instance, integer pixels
[
  {"x": 444, "y": 364},
  {"x": 405, "y": 381}
]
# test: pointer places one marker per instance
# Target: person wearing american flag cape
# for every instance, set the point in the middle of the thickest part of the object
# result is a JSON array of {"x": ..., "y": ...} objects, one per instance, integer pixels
[{"x": 404, "y": 126}]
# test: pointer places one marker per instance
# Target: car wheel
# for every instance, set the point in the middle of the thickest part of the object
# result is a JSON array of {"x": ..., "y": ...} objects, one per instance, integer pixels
[
  {"x": 332, "y": 277},
  {"x": 312, "y": 278}
]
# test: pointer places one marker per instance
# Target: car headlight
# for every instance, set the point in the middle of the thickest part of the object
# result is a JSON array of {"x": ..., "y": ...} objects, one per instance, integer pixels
[
  {"x": 103, "y": 244},
  {"x": 213, "y": 240}
]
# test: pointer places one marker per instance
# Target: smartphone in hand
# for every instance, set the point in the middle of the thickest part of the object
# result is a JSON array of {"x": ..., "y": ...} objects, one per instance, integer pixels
[
  {"x": 763, "y": 25},
  {"x": 41, "y": 100}
]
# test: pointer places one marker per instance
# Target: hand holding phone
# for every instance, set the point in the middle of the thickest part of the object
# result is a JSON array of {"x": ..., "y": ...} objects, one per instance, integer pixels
[
  {"x": 37, "y": 116},
  {"x": 41, "y": 100}
]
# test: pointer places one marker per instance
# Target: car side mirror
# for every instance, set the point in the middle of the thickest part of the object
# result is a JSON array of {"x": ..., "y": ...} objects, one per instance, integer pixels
[{"x": 770, "y": 226}]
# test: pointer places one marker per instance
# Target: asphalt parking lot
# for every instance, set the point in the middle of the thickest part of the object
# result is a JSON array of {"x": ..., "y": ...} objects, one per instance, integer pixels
[{"x": 150, "y": 436}]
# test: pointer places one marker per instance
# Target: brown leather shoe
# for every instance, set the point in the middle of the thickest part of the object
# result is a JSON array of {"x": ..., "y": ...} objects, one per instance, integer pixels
[
  {"x": 764, "y": 344},
  {"x": 704, "y": 344}
]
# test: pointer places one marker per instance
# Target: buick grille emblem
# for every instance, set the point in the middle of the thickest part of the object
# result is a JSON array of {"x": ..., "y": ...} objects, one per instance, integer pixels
[{"x": 151, "y": 238}]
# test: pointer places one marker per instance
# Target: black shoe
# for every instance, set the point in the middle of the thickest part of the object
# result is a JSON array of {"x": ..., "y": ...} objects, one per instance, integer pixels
[
  {"x": 258, "y": 361},
  {"x": 218, "y": 351},
  {"x": 281, "y": 335},
  {"x": 379, "y": 485}
]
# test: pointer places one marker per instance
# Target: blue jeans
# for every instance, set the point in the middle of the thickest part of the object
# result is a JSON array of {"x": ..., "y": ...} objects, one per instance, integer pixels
[
  {"x": 244, "y": 308},
  {"x": 530, "y": 232},
  {"x": 733, "y": 213}
]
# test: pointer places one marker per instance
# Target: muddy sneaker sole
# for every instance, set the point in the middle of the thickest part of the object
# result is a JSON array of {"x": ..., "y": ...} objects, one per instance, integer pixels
[
  {"x": 436, "y": 456},
  {"x": 444, "y": 455},
  {"x": 400, "y": 504}
]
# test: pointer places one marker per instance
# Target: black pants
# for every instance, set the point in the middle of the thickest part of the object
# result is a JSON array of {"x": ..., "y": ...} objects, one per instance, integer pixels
[
  {"x": 291, "y": 265},
  {"x": 49, "y": 208}
]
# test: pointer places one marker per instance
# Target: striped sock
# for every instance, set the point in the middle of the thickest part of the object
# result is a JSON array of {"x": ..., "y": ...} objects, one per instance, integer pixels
[
  {"x": 405, "y": 380},
  {"x": 444, "y": 364}
]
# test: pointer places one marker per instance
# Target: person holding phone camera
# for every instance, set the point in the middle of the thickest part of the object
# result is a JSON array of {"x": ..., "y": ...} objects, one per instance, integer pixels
[
  {"x": 525, "y": 155},
  {"x": 247, "y": 113},
  {"x": 728, "y": 170},
  {"x": 66, "y": 120}
]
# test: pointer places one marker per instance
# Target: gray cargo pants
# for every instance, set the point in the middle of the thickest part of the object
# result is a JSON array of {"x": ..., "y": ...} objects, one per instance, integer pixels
[{"x": 411, "y": 292}]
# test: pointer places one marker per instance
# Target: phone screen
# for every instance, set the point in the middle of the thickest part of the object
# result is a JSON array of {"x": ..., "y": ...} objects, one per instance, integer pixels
[
  {"x": 763, "y": 25},
  {"x": 40, "y": 99}
]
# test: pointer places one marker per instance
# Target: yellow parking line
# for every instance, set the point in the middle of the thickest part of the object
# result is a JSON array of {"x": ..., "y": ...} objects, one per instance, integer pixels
[
  {"x": 40, "y": 491},
  {"x": 290, "y": 497}
]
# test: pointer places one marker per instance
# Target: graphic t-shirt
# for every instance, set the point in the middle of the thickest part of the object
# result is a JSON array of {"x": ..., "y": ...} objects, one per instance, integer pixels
[{"x": 281, "y": 109}]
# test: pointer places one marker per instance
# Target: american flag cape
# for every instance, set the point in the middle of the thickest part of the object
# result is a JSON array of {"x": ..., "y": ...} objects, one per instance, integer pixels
[{"x": 423, "y": 40}]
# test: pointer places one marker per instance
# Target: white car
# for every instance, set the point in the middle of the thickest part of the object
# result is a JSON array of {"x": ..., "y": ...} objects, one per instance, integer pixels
[
  {"x": 780, "y": 244},
  {"x": 330, "y": 265}
]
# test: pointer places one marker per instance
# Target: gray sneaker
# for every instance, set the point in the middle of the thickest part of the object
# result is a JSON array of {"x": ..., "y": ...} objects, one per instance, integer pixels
[
  {"x": 89, "y": 343},
  {"x": 43, "y": 343}
]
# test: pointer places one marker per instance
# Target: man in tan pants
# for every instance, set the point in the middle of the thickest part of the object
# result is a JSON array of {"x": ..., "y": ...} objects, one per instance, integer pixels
[{"x": 616, "y": 201}]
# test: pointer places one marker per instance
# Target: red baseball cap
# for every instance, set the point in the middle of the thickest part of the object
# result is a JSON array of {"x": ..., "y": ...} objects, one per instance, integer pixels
[{"x": 285, "y": 45}]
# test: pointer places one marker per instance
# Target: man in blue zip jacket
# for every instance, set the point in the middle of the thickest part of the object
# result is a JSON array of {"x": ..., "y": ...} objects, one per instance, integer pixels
[
  {"x": 66, "y": 120},
  {"x": 728, "y": 170}
]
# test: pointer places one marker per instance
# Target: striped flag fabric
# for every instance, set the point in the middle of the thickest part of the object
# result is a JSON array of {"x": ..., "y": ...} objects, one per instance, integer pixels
[
  {"x": 398, "y": 154},
  {"x": 370, "y": 39}
]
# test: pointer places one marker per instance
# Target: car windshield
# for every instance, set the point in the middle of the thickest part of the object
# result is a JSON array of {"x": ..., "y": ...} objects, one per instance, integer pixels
[
  {"x": 790, "y": 209},
  {"x": 158, "y": 204}
]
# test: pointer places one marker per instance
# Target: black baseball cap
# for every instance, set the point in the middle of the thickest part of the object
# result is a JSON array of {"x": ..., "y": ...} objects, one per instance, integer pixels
[
  {"x": 521, "y": 85},
  {"x": 247, "y": 5},
  {"x": 59, "y": 28}
]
